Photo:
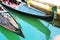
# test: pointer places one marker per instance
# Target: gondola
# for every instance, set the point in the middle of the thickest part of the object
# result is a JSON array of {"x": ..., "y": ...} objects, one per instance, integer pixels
[
  {"x": 8, "y": 22},
  {"x": 40, "y": 4},
  {"x": 47, "y": 15}
]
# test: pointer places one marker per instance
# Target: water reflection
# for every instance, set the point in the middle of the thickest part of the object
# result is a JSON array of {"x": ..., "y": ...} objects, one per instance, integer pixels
[
  {"x": 30, "y": 32},
  {"x": 54, "y": 30}
]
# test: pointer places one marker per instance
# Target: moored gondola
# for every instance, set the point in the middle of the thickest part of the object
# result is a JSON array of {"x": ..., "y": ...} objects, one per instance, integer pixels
[
  {"x": 32, "y": 11},
  {"x": 44, "y": 15},
  {"x": 8, "y": 22}
]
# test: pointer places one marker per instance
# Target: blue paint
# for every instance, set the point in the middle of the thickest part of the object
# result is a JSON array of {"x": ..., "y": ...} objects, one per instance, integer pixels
[{"x": 31, "y": 10}]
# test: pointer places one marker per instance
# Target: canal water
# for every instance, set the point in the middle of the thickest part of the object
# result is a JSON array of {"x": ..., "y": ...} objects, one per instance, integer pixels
[{"x": 33, "y": 28}]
